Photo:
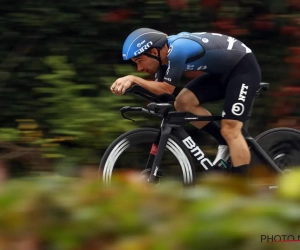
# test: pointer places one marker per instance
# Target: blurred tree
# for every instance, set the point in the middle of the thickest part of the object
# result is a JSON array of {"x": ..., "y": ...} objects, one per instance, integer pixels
[{"x": 58, "y": 59}]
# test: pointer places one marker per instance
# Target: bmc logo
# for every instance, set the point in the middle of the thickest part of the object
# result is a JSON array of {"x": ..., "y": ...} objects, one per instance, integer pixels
[
  {"x": 143, "y": 48},
  {"x": 196, "y": 151}
]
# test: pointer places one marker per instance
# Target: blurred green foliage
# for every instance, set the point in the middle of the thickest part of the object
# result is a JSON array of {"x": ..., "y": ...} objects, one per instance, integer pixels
[
  {"x": 69, "y": 111},
  {"x": 221, "y": 212},
  {"x": 58, "y": 60}
]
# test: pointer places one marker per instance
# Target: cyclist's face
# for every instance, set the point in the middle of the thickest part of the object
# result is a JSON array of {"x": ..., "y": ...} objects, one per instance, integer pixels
[{"x": 146, "y": 64}]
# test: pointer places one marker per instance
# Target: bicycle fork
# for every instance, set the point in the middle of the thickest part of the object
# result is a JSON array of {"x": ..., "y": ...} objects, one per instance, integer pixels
[{"x": 157, "y": 152}]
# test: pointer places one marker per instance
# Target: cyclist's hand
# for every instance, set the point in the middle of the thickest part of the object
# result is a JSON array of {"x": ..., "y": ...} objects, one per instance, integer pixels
[{"x": 120, "y": 85}]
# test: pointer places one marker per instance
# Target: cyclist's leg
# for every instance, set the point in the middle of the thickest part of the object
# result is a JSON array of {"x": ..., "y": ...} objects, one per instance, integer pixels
[
  {"x": 205, "y": 88},
  {"x": 242, "y": 85}
]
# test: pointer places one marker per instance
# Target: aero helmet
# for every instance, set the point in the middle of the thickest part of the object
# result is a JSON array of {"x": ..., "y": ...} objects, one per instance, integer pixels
[{"x": 140, "y": 40}]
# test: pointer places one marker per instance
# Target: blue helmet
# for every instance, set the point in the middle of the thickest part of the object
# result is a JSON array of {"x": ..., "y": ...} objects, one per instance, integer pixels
[{"x": 141, "y": 40}]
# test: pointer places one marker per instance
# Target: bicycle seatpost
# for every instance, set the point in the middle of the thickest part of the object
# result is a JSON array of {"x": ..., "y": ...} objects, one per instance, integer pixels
[{"x": 263, "y": 87}]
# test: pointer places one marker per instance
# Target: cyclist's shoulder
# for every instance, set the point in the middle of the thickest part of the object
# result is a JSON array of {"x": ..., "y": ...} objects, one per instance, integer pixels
[
  {"x": 180, "y": 36},
  {"x": 186, "y": 38},
  {"x": 187, "y": 35},
  {"x": 181, "y": 40}
]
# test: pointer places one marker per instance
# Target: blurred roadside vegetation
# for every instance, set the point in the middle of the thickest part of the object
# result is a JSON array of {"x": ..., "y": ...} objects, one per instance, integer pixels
[
  {"x": 58, "y": 60},
  {"x": 62, "y": 213}
]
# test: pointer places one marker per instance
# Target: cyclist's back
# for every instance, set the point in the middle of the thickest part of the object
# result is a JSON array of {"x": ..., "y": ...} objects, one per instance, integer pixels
[{"x": 209, "y": 52}]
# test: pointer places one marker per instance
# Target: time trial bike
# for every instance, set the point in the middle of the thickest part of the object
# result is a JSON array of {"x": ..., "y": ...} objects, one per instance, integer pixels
[{"x": 170, "y": 151}]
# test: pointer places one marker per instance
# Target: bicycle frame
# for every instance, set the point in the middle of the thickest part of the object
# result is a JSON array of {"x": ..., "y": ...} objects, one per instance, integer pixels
[
  {"x": 173, "y": 122},
  {"x": 170, "y": 125}
]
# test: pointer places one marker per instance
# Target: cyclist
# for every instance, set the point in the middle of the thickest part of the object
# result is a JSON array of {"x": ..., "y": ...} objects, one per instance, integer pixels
[{"x": 231, "y": 73}]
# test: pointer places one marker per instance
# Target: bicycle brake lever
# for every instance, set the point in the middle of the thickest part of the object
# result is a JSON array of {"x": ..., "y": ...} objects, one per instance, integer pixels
[
  {"x": 124, "y": 110},
  {"x": 128, "y": 108}
]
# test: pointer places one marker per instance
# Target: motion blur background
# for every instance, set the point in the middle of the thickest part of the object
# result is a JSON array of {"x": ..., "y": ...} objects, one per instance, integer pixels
[
  {"x": 59, "y": 58},
  {"x": 57, "y": 62}
]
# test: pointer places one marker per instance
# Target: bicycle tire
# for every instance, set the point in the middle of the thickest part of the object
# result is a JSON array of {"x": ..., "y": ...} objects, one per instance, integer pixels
[
  {"x": 282, "y": 145},
  {"x": 145, "y": 135}
]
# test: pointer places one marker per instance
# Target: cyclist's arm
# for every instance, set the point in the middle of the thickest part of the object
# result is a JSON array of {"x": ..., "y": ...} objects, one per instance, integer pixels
[
  {"x": 179, "y": 53},
  {"x": 157, "y": 88},
  {"x": 167, "y": 77}
]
